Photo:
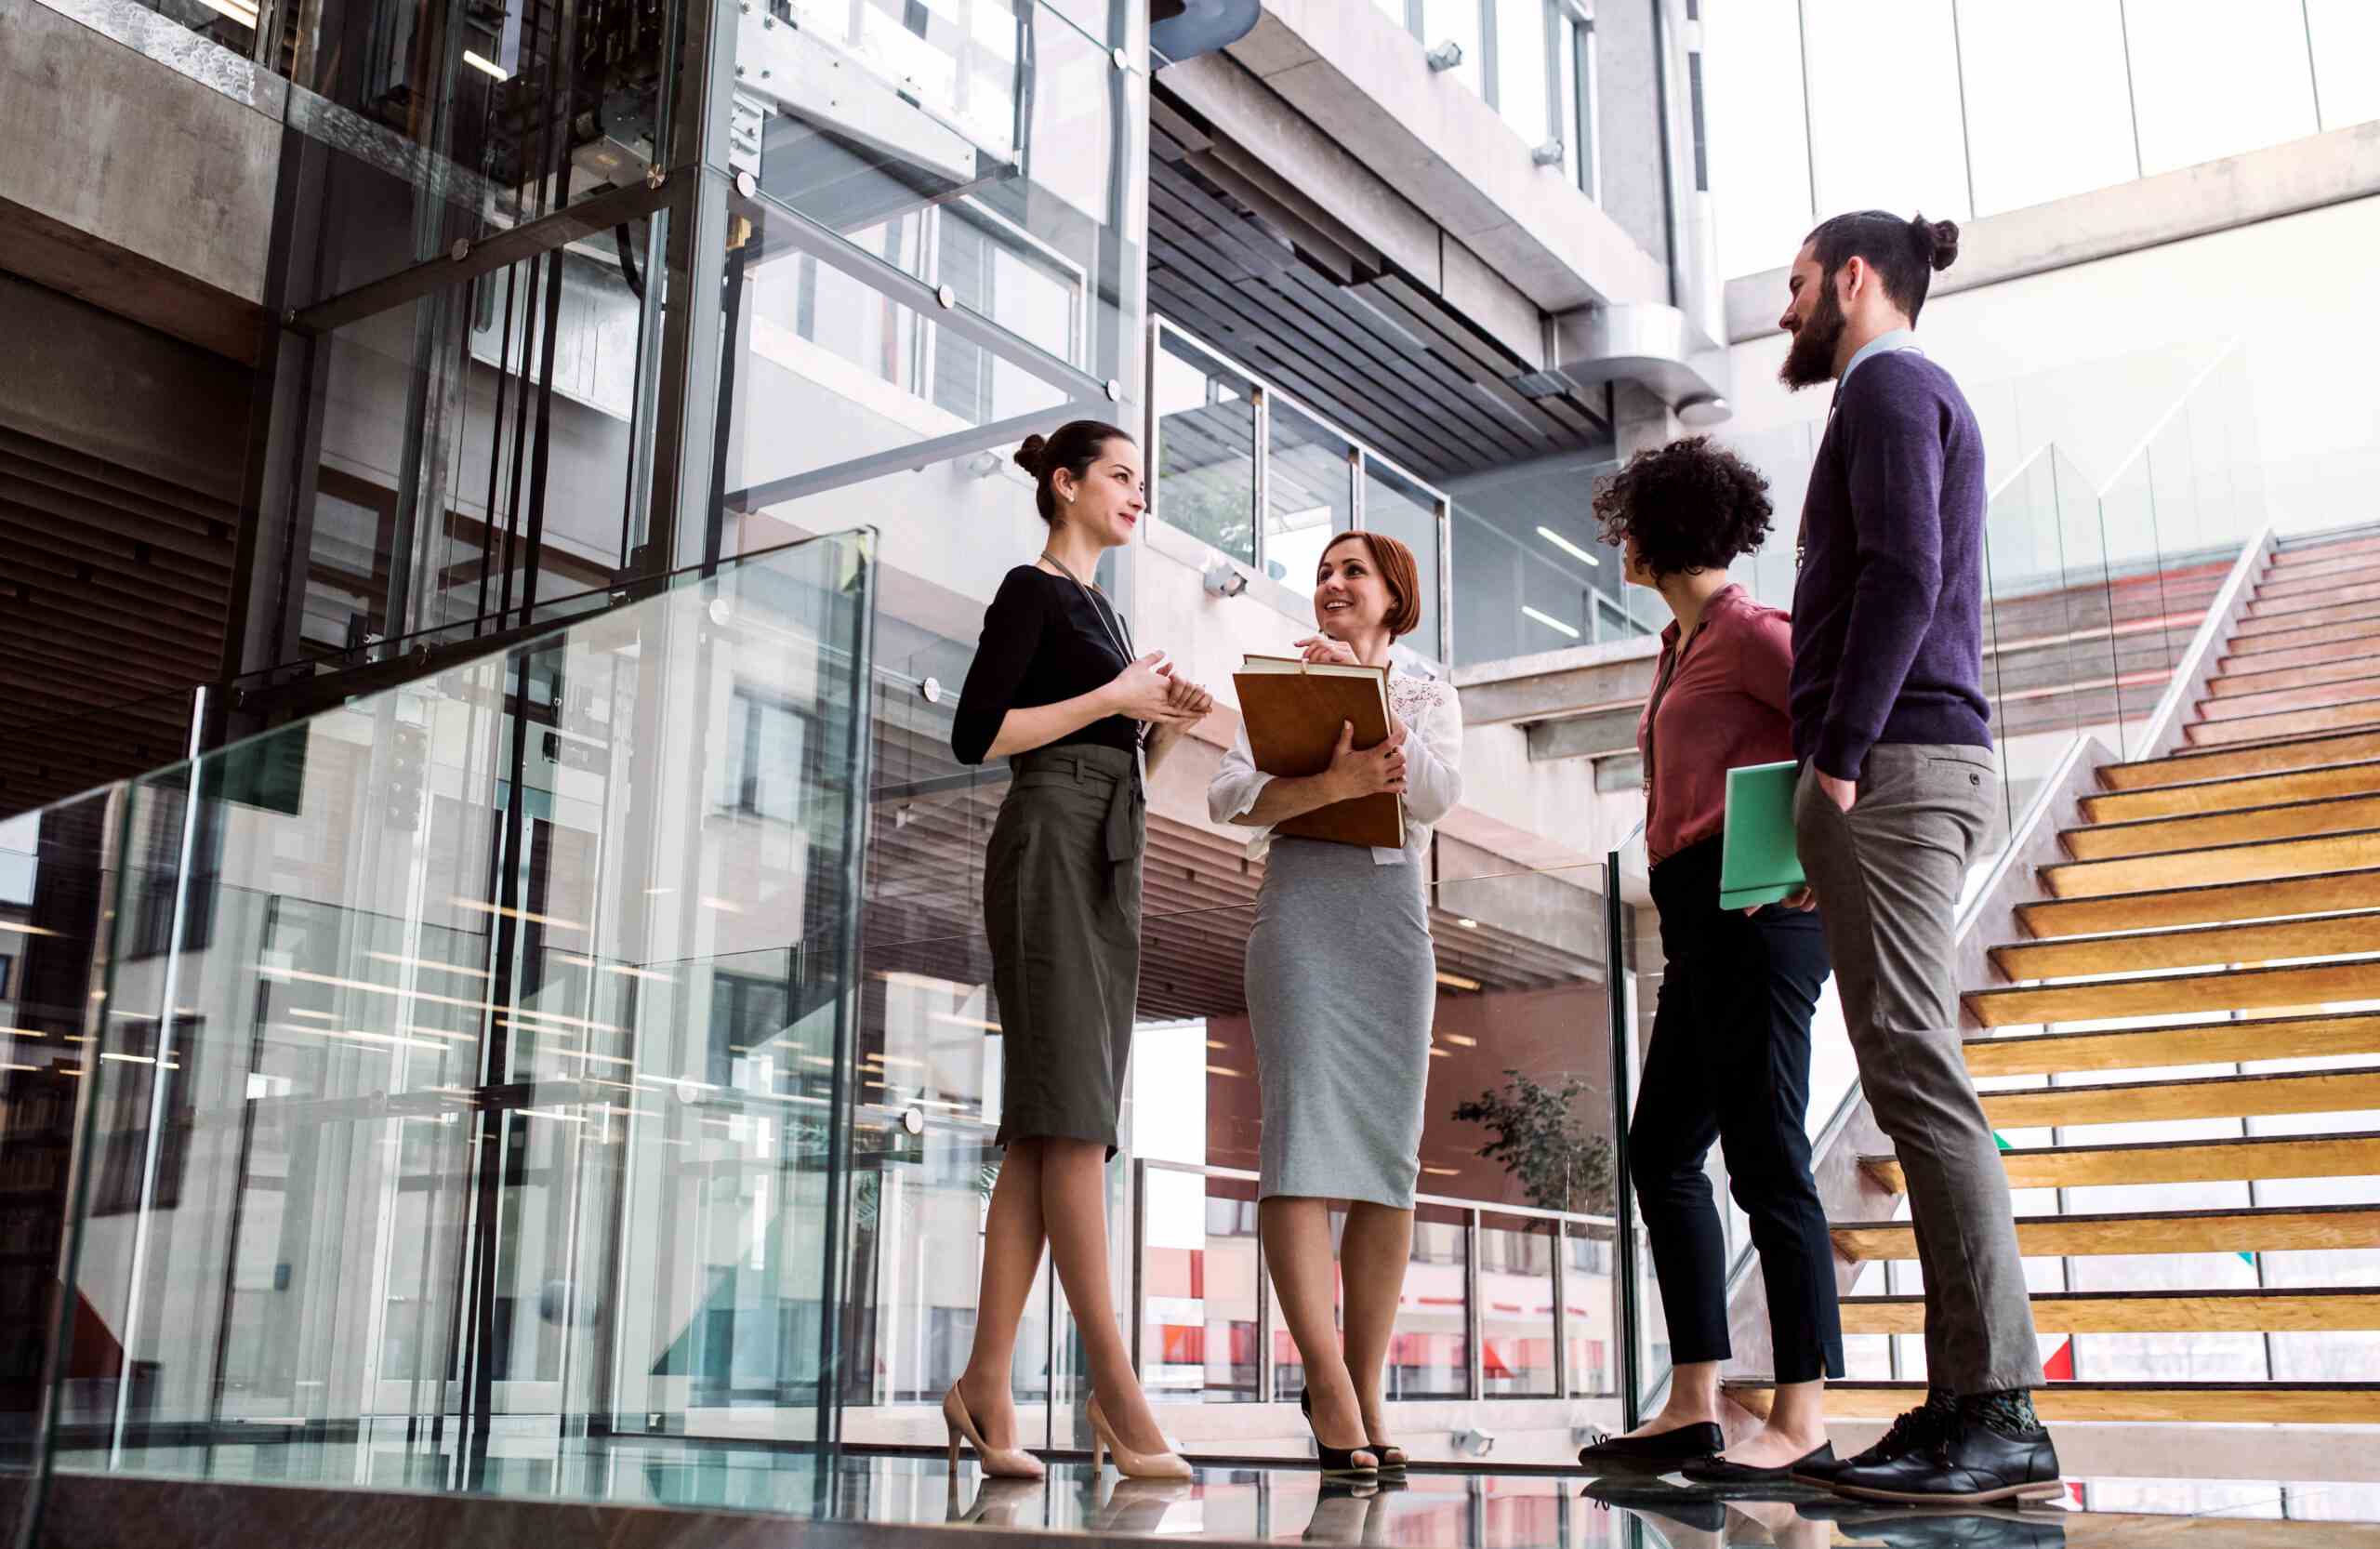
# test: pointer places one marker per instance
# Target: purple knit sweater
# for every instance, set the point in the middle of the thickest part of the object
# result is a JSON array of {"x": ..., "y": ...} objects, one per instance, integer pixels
[{"x": 1888, "y": 609}]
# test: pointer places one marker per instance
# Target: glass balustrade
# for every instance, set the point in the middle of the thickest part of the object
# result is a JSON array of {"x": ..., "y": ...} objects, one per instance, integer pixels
[{"x": 470, "y": 1055}]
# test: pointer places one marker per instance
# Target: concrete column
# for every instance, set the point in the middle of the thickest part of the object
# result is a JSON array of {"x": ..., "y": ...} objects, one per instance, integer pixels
[
  {"x": 1630, "y": 120},
  {"x": 1639, "y": 420}
]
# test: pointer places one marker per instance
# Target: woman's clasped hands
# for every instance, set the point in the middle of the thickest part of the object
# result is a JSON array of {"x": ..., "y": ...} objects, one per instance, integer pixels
[{"x": 1149, "y": 691}]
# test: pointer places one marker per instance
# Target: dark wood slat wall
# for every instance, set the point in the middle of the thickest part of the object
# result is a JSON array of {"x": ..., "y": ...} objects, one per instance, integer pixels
[
  {"x": 1365, "y": 347},
  {"x": 113, "y": 587}
]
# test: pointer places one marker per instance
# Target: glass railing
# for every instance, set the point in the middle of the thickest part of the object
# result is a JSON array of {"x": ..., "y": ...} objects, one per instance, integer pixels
[{"x": 475, "y": 1051}]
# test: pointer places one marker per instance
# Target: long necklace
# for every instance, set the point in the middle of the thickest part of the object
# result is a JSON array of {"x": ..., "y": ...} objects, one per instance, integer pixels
[{"x": 1123, "y": 641}]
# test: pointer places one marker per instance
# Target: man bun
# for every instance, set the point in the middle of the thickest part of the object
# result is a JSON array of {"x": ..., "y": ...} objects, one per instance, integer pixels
[
  {"x": 1032, "y": 453},
  {"x": 1939, "y": 242}
]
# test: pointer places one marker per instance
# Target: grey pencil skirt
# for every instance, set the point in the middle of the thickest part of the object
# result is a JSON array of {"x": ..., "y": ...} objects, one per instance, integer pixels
[
  {"x": 1342, "y": 989},
  {"x": 1061, "y": 905}
]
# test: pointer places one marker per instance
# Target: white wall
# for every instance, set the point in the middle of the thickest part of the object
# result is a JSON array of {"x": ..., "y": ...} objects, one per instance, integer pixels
[{"x": 2091, "y": 356}]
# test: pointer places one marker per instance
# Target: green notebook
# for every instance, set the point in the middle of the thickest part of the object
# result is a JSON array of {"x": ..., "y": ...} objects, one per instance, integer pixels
[{"x": 1759, "y": 861}]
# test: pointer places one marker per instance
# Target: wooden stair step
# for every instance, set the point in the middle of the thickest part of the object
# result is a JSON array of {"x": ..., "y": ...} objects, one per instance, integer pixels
[
  {"x": 2238, "y": 794},
  {"x": 2171, "y": 1161},
  {"x": 2340, "y": 1308},
  {"x": 2323, "y": 669},
  {"x": 2178, "y": 994},
  {"x": 2060, "y": 1403},
  {"x": 2151, "y": 836},
  {"x": 2262, "y": 941},
  {"x": 2269, "y": 653},
  {"x": 2242, "y": 1230},
  {"x": 2316, "y": 551},
  {"x": 2194, "y": 765},
  {"x": 2262, "y": 898},
  {"x": 2303, "y": 619},
  {"x": 2301, "y": 694},
  {"x": 2258, "y": 860},
  {"x": 2226, "y": 1042},
  {"x": 2194, "y": 1097},
  {"x": 2321, "y": 579},
  {"x": 2345, "y": 716},
  {"x": 2346, "y": 591}
]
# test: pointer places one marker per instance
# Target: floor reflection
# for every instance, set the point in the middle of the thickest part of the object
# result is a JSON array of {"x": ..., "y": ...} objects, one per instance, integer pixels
[{"x": 1277, "y": 1505}]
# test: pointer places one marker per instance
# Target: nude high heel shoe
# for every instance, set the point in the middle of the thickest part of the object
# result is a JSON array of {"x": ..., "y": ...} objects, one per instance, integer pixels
[
  {"x": 1131, "y": 1464},
  {"x": 999, "y": 1462}
]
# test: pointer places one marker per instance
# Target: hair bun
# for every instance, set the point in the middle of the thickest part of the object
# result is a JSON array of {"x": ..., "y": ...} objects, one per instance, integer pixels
[
  {"x": 1030, "y": 456},
  {"x": 1939, "y": 239}
]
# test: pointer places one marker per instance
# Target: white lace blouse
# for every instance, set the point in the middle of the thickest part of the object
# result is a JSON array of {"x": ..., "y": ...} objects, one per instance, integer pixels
[{"x": 1432, "y": 720}]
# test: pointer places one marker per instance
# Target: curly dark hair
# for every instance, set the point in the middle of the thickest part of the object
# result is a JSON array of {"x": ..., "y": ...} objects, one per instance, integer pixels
[{"x": 1690, "y": 506}]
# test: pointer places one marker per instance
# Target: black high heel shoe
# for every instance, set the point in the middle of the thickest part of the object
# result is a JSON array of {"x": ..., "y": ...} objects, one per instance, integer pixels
[{"x": 1338, "y": 1463}]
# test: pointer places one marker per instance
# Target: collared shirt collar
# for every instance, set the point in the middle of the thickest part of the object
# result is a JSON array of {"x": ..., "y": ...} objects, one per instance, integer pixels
[
  {"x": 1710, "y": 606},
  {"x": 1890, "y": 340}
]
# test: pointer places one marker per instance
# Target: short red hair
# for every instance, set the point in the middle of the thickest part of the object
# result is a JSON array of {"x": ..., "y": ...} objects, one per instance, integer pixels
[{"x": 1397, "y": 571}]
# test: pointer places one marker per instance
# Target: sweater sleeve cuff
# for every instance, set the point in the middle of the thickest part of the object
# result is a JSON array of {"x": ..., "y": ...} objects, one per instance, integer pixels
[{"x": 1839, "y": 754}]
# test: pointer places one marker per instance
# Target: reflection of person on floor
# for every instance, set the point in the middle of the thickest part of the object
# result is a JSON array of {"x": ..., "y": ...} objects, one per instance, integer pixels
[
  {"x": 1897, "y": 791},
  {"x": 1056, "y": 689},
  {"x": 1341, "y": 987},
  {"x": 1348, "y": 1511},
  {"x": 1730, "y": 1054}
]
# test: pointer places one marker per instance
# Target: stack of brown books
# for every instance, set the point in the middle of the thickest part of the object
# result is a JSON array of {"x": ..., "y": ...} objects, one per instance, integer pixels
[{"x": 1293, "y": 710}]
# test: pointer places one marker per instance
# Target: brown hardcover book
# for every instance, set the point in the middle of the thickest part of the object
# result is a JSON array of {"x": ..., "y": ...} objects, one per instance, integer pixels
[{"x": 1293, "y": 710}]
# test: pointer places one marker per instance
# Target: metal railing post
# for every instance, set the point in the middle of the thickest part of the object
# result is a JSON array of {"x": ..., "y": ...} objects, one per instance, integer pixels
[
  {"x": 1561, "y": 1309},
  {"x": 1474, "y": 1326},
  {"x": 1623, "y": 1203}
]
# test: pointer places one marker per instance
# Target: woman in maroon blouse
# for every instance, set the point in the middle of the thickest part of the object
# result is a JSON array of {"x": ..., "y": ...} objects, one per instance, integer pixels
[{"x": 1730, "y": 1055}]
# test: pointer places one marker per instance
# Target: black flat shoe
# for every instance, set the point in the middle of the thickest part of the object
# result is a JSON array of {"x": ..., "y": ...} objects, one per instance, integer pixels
[
  {"x": 1695, "y": 1508},
  {"x": 1662, "y": 1452},
  {"x": 1338, "y": 1463},
  {"x": 1726, "y": 1474},
  {"x": 1971, "y": 1465}
]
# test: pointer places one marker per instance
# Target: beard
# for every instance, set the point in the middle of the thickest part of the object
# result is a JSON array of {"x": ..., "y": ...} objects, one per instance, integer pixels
[{"x": 1811, "y": 359}]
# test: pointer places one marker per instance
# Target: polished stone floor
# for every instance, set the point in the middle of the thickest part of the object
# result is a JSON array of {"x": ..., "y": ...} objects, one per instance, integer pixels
[{"x": 1457, "y": 1510}]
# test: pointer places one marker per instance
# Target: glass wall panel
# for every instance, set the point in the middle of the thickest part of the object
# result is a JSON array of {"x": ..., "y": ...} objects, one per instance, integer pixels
[
  {"x": 1404, "y": 511},
  {"x": 2211, "y": 81},
  {"x": 1883, "y": 61},
  {"x": 1760, "y": 145},
  {"x": 1310, "y": 475},
  {"x": 1531, "y": 571},
  {"x": 1524, "y": 89},
  {"x": 2343, "y": 37},
  {"x": 471, "y": 1051},
  {"x": 2022, "y": 156},
  {"x": 1017, "y": 111},
  {"x": 53, "y": 889},
  {"x": 1516, "y": 1325},
  {"x": 1206, "y": 472},
  {"x": 1200, "y": 1265},
  {"x": 1457, "y": 21}
]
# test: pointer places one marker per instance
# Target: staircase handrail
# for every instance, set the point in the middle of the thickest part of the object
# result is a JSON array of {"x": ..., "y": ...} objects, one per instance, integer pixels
[{"x": 2200, "y": 662}]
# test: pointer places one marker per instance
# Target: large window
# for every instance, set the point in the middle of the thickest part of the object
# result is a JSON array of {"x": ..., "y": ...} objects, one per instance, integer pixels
[
  {"x": 1531, "y": 60},
  {"x": 2141, "y": 87},
  {"x": 1228, "y": 446}
]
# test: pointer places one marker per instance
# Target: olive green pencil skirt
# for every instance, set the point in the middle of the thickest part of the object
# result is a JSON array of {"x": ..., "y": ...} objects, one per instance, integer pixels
[{"x": 1061, "y": 907}]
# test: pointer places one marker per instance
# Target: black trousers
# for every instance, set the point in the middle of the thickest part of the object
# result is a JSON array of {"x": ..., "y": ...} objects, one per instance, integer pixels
[{"x": 1730, "y": 1061}]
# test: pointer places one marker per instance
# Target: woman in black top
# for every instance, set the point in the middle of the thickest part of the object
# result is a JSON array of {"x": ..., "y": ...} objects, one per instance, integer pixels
[{"x": 1056, "y": 689}]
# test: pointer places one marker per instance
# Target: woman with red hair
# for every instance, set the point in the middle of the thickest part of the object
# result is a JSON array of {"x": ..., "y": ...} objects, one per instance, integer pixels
[{"x": 1341, "y": 986}]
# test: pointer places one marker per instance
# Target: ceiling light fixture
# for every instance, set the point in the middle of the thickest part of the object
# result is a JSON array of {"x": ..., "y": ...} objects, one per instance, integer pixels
[
  {"x": 1551, "y": 622},
  {"x": 498, "y": 71},
  {"x": 1550, "y": 536}
]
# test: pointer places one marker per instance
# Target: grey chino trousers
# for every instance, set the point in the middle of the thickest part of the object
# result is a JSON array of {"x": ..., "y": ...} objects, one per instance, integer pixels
[{"x": 1888, "y": 874}]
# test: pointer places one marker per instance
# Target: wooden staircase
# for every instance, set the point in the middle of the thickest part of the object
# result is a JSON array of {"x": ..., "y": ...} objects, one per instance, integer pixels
[{"x": 2231, "y": 891}]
